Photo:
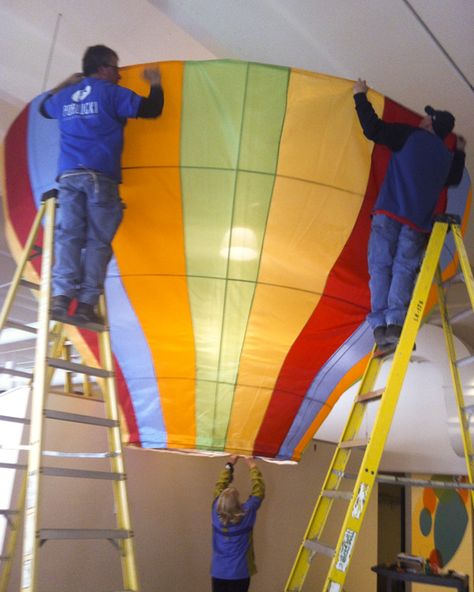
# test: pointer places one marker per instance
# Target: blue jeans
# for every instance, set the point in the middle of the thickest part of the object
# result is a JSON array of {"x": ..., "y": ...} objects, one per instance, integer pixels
[
  {"x": 90, "y": 211},
  {"x": 394, "y": 254}
]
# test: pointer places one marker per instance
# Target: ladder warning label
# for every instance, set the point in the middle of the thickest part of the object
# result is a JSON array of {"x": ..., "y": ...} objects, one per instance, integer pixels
[
  {"x": 346, "y": 550},
  {"x": 360, "y": 501},
  {"x": 334, "y": 587}
]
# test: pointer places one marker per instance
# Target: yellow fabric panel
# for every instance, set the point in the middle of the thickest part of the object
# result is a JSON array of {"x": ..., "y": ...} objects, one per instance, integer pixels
[
  {"x": 248, "y": 409},
  {"x": 154, "y": 142},
  {"x": 322, "y": 139},
  {"x": 308, "y": 224}
]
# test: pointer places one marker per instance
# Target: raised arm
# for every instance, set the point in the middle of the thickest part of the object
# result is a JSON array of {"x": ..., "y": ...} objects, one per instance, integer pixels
[
  {"x": 152, "y": 106},
  {"x": 258, "y": 485},
  {"x": 226, "y": 476},
  {"x": 392, "y": 135}
]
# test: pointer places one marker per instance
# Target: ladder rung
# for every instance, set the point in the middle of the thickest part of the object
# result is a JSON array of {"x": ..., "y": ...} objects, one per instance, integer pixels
[
  {"x": 14, "y": 419},
  {"x": 97, "y": 327},
  {"x": 61, "y": 454},
  {"x": 60, "y": 534},
  {"x": 20, "y": 327},
  {"x": 336, "y": 494},
  {"x": 76, "y": 418},
  {"x": 28, "y": 284},
  {"x": 8, "y": 512},
  {"x": 81, "y": 473},
  {"x": 13, "y": 372},
  {"x": 78, "y": 368},
  {"x": 316, "y": 547},
  {"x": 15, "y": 466},
  {"x": 460, "y": 316},
  {"x": 456, "y": 279},
  {"x": 469, "y": 409},
  {"x": 354, "y": 444},
  {"x": 464, "y": 361},
  {"x": 371, "y": 395}
]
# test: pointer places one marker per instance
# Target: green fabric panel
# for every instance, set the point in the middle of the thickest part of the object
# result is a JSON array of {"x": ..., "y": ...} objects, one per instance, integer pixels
[
  {"x": 207, "y": 214},
  {"x": 232, "y": 119},
  {"x": 213, "y": 96},
  {"x": 253, "y": 195},
  {"x": 265, "y": 106}
]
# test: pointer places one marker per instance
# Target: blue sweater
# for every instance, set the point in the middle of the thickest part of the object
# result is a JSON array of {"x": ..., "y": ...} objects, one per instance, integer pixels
[{"x": 233, "y": 555}]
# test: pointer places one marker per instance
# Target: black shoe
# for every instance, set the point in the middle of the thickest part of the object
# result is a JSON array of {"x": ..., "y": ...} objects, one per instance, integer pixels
[
  {"x": 59, "y": 307},
  {"x": 379, "y": 336},
  {"x": 85, "y": 313},
  {"x": 392, "y": 334}
]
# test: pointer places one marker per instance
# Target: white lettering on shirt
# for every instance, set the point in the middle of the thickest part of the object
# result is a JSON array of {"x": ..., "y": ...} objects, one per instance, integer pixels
[{"x": 81, "y": 109}]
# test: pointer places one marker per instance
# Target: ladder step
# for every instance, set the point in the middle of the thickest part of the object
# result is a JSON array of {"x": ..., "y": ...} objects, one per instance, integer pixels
[
  {"x": 76, "y": 418},
  {"x": 8, "y": 512},
  {"x": 28, "y": 284},
  {"x": 16, "y": 466},
  {"x": 460, "y": 316},
  {"x": 97, "y": 327},
  {"x": 469, "y": 410},
  {"x": 456, "y": 279},
  {"x": 336, "y": 494},
  {"x": 464, "y": 361},
  {"x": 60, "y": 534},
  {"x": 81, "y": 473},
  {"x": 354, "y": 444},
  {"x": 14, "y": 419},
  {"x": 371, "y": 395},
  {"x": 316, "y": 547},
  {"x": 78, "y": 368},
  {"x": 16, "y": 372},
  {"x": 20, "y": 327}
]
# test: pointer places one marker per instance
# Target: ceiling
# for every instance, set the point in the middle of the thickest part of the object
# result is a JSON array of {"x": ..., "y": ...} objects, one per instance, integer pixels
[{"x": 416, "y": 52}]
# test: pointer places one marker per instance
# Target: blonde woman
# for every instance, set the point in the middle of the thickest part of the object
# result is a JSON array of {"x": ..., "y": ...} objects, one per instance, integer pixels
[{"x": 233, "y": 561}]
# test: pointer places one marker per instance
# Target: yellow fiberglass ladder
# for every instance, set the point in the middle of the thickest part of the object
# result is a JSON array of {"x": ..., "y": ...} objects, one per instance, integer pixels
[
  {"x": 51, "y": 354},
  {"x": 386, "y": 398}
]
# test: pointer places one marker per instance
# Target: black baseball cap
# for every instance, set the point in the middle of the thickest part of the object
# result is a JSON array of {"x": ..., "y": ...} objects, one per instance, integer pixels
[{"x": 443, "y": 121}]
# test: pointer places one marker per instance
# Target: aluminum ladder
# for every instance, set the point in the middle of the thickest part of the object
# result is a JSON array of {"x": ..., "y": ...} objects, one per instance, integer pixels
[{"x": 49, "y": 356}]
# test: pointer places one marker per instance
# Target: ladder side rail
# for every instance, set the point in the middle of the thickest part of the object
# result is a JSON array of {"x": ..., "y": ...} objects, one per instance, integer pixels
[
  {"x": 129, "y": 571},
  {"x": 371, "y": 461},
  {"x": 40, "y": 386},
  {"x": 12, "y": 290},
  {"x": 14, "y": 531},
  {"x": 457, "y": 385},
  {"x": 333, "y": 478},
  {"x": 464, "y": 262}
]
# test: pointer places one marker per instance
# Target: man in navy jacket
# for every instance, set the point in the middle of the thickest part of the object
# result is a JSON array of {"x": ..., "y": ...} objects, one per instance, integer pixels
[{"x": 420, "y": 167}]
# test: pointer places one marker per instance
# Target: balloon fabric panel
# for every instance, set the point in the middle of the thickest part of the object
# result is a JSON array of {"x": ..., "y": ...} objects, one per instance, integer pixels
[{"x": 238, "y": 288}]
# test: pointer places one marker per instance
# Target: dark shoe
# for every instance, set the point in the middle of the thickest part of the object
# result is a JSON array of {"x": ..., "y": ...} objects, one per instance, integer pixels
[
  {"x": 392, "y": 334},
  {"x": 59, "y": 307},
  {"x": 85, "y": 313},
  {"x": 379, "y": 336}
]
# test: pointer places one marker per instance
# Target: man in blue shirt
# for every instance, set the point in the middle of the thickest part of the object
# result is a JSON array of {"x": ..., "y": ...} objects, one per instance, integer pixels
[
  {"x": 420, "y": 166},
  {"x": 92, "y": 110}
]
